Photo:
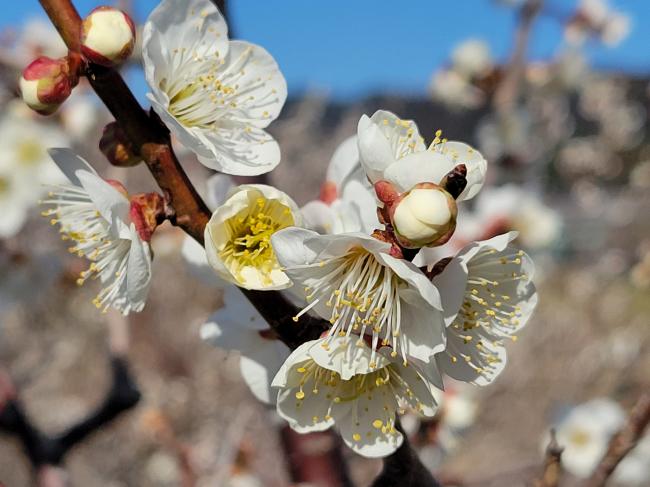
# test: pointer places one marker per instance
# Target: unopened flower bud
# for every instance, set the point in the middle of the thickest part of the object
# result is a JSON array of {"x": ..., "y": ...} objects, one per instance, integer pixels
[
  {"x": 107, "y": 36},
  {"x": 46, "y": 83},
  {"x": 116, "y": 147},
  {"x": 424, "y": 216}
]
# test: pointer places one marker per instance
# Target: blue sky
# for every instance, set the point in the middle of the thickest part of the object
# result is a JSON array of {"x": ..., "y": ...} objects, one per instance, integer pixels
[{"x": 357, "y": 47}]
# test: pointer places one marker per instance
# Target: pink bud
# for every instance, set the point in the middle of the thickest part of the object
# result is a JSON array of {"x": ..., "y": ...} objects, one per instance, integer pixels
[
  {"x": 107, "y": 36},
  {"x": 46, "y": 83}
]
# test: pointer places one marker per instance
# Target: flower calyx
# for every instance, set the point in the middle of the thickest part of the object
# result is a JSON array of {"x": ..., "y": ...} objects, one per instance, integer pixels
[{"x": 147, "y": 211}]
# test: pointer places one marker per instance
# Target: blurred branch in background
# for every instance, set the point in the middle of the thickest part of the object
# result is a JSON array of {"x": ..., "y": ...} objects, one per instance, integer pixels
[
  {"x": 47, "y": 452},
  {"x": 507, "y": 92}
]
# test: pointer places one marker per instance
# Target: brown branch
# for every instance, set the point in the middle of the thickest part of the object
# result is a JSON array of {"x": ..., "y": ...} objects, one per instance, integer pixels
[
  {"x": 622, "y": 443},
  {"x": 552, "y": 465},
  {"x": 507, "y": 93}
]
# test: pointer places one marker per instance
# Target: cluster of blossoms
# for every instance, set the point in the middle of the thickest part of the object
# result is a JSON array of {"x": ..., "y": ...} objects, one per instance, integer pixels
[{"x": 369, "y": 257}]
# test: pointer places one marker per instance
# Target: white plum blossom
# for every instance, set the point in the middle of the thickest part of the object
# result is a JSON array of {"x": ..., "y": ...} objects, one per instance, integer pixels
[
  {"x": 238, "y": 236},
  {"x": 24, "y": 164},
  {"x": 346, "y": 203},
  {"x": 95, "y": 216},
  {"x": 215, "y": 95},
  {"x": 597, "y": 17},
  {"x": 239, "y": 326},
  {"x": 392, "y": 149},
  {"x": 584, "y": 433},
  {"x": 352, "y": 281},
  {"x": 451, "y": 88},
  {"x": 511, "y": 208},
  {"x": 472, "y": 58},
  {"x": 341, "y": 381},
  {"x": 487, "y": 296}
]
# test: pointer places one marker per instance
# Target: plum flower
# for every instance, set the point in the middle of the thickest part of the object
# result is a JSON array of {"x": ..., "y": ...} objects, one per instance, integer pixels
[
  {"x": 239, "y": 326},
  {"x": 216, "y": 95},
  {"x": 238, "y": 236},
  {"x": 584, "y": 433},
  {"x": 97, "y": 217},
  {"x": 509, "y": 207},
  {"x": 352, "y": 281},
  {"x": 24, "y": 164},
  {"x": 346, "y": 203},
  {"x": 487, "y": 295},
  {"x": 392, "y": 149},
  {"x": 342, "y": 381}
]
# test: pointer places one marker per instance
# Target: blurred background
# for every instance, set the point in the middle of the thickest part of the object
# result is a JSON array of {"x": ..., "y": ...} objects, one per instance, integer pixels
[{"x": 555, "y": 94}]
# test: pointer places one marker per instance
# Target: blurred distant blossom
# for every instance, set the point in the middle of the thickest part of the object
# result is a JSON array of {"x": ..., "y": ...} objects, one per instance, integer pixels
[
  {"x": 456, "y": 84},
  {"x": 511, "y": 207},
  {"x": 238, "y": 326},
  {"x": 452, "y": 89},
  {"x": 598, "y": 18},
  {"x": 584, "y": 433},
  {"x": 472, "y": 58},
  {"x": 37, "y": 38},
  {"x": 25, "y": 166}
]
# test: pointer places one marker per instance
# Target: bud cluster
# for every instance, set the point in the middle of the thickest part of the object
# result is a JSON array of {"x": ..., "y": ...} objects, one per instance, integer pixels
[{"x": 107, "y": 37}]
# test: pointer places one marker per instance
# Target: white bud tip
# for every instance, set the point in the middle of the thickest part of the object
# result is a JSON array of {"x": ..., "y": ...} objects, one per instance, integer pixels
[
  {"x": 107, "y": 37},
  {"x": 423, "y": 215}
]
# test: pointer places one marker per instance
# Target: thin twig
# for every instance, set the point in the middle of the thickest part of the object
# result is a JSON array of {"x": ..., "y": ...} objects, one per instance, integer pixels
[
  {"x": 507, "y": 93},
  {"x": 623, "y": 442},
  {"x": 552, "y": 465}
]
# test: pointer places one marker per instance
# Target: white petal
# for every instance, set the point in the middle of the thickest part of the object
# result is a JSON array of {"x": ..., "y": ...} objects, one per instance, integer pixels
[
  {"x": 70, "y": 163},
  {"x": 421, "y": 167},
  {"x": 375, "y": 152},
  {"x": 306, "y": 415},
  {"x": 319, "y": 216},
  {"x": 345, "y": 356},
  {"x": 258, "y": 371},
  {"x": 237, "y": 149},
  {"x": 138, "y": 277},
  {"x": 474, "y": 162},
  {"x": 111, "y": 204},
  {"x": 217, "y": 188},
  {"x": 414, "y": 276},
  {"x": 344, "y": 162},
  {"x": 262, "y": 87},
  {"x": 358, "y": 428},
  {"x": 290, "y": 246},
  {"x": 298, "y": 356},
  {"x": 359, "y": 195}
]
